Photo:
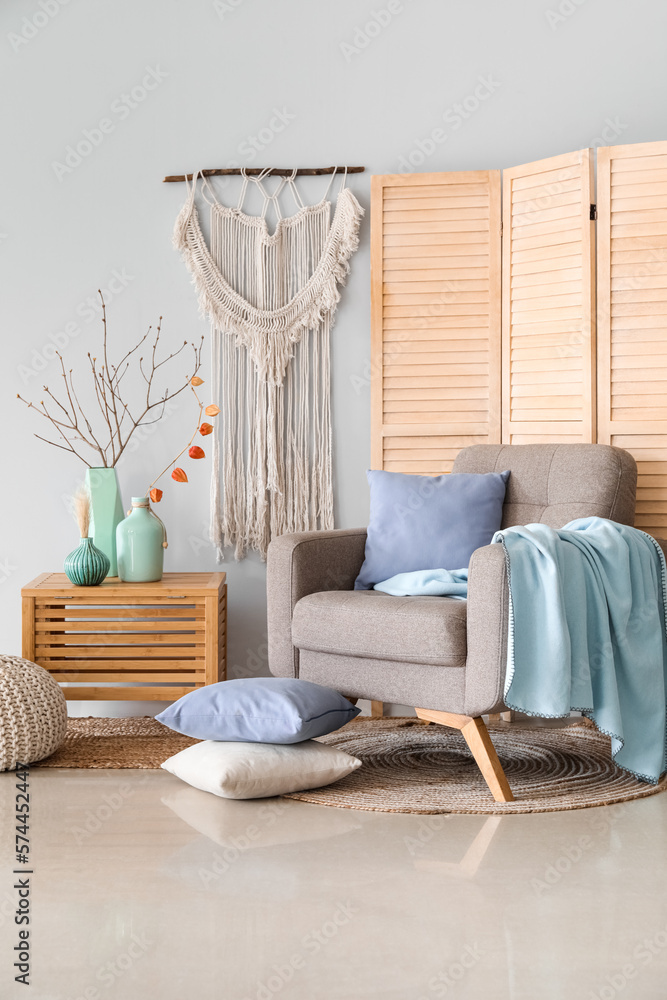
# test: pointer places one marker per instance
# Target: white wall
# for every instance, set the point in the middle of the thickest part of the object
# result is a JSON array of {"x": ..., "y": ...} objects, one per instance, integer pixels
[{"x": 363, "y": 85}]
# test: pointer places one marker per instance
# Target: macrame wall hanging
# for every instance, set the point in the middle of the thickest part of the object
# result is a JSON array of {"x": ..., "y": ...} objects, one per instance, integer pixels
[{"x": 270, "y": 299}]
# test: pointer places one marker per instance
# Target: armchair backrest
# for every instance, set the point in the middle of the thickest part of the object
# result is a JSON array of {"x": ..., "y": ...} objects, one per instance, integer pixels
[{"x": 556, "y": 483}]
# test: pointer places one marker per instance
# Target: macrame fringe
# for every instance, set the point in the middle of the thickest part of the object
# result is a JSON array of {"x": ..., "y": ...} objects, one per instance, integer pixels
[
  {"x": 269, "y": 334},
  {"x": 271, "y": 301}
]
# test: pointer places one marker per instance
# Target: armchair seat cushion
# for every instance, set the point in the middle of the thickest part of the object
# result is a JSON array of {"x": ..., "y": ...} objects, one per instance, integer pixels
[{"x": 366, "y": 623}]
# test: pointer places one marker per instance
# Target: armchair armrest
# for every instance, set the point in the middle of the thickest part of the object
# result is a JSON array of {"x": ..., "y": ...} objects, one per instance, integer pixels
[
  {"x": 301, "y": 564},
  {"x": 488, "y": 616}
]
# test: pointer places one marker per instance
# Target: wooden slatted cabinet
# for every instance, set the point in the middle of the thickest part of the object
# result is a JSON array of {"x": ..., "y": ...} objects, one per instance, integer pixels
[{"x": 164, "y": 639}]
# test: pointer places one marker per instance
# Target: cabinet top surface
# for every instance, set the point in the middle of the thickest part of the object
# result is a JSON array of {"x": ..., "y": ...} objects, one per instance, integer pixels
[{"x": 171, "y": 583}]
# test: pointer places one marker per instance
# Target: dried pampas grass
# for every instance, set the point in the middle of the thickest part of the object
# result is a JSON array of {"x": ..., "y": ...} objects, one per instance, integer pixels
[{"x": 81, "y": 509}]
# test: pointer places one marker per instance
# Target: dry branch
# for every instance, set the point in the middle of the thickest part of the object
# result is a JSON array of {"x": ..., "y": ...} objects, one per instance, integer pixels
[{"x": 110, "y": 442}]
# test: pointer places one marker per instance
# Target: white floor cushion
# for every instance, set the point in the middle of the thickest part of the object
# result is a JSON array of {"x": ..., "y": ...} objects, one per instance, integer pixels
[{"x": 259, "y": 770}]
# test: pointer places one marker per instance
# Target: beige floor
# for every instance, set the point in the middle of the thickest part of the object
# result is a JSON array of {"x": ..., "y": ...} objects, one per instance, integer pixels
[{"x": 146, "y": 888}]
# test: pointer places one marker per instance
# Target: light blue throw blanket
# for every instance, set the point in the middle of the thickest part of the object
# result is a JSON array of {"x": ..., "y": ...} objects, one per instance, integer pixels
[
  {"x": 587, "y": 633},
  {"x": 586, "y": 630},
  {"x": 427, "y": 583}
]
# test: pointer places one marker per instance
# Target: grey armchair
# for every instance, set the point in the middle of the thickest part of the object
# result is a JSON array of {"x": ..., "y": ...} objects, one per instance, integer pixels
[{"x": 444, "y": 657}]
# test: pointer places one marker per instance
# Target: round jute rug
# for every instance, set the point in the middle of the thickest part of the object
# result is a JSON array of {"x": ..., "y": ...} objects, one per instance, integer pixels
[{"x": 409, "y": 767}]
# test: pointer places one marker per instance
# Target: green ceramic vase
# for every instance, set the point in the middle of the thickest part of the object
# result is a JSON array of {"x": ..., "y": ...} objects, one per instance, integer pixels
[
  {"x": 86, "y": 566},
  {"x": 106, "y": 512},
  {"x": 140, "y": 542}
]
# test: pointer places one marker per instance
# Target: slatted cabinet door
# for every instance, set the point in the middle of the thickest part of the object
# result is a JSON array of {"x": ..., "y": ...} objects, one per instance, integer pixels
[
  {"x": 632, "y": 317},
  {"x": 435, "y": 307},
  {"x": 549, "y": 346}
]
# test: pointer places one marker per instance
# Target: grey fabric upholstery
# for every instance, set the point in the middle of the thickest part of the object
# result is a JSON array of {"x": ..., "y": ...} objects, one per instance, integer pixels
[
  {"x": 555, "y": 483},
  {"x": 387, "y": 680},
  {"x": 302, "y": 564},
  {"x": 430, "y": 630},
  {"x": 411, "y": 650},
  {"x": 488, "y": 614}
]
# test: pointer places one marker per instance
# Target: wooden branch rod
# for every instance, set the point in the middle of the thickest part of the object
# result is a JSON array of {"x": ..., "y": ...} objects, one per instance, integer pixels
[{"x": 275, "y": 172}]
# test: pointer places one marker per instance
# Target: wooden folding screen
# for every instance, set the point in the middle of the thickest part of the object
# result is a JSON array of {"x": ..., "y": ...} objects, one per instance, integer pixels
[
  {"x": 436, "y": 358},
  {"x": 435, "y": 300},
  {"x": 632, "y": 316},
  {"x": 548, "y": 352}
]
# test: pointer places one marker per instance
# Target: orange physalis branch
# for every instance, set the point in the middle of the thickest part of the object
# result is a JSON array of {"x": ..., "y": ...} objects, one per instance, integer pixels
[{"x": 194, "y": 451}]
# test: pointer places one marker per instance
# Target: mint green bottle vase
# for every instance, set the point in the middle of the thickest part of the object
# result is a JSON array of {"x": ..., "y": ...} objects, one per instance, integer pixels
[
  {"x": 106, "y": 512},
  {"x": 140, "y": 542},
  {"x": 86, "y": 566}
]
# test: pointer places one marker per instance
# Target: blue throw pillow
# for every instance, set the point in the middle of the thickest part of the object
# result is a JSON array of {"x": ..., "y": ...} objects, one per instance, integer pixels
[
  {"x": 259, "y": 710},
  {"x": 429, "y": 522}
]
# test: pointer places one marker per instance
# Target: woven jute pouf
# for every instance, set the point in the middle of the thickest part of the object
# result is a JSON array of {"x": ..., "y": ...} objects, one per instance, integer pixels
[{"x": 33, "y": 713}]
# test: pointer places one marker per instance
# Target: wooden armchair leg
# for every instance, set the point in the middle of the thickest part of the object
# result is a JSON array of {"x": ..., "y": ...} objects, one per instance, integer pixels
[
  {"x": 377, "y": 709},
  {"x": 477, "y": 737}
]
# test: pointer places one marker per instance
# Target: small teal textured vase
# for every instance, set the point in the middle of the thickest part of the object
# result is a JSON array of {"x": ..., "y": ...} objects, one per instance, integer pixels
[
  {"x": 140, "y": 542},
  {"x": 87, "y": 565},
  {"x": 106, "y": 512}
]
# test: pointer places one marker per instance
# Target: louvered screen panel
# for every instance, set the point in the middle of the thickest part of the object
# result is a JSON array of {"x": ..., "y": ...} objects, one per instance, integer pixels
[
  {"x": 632, "y": 316},
  {"x": 548, "y": 301},
  {"x": 435, "y": 291}
]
